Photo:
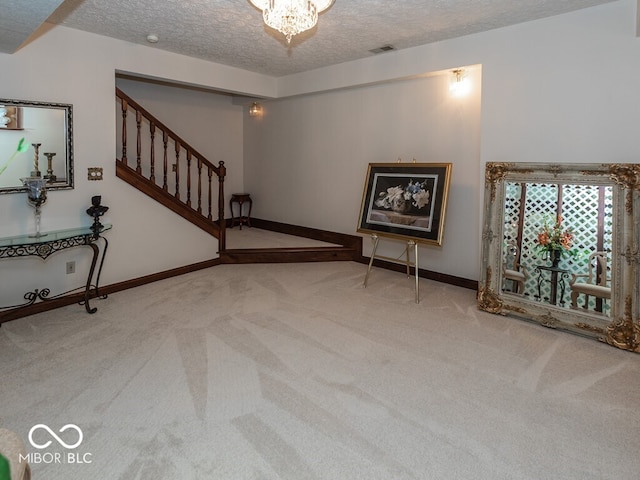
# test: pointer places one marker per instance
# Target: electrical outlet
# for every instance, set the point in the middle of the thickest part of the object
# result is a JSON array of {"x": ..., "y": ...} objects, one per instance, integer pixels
[
  {"x": 94, "y": 173},
  {"x": 71, "y": 267}
]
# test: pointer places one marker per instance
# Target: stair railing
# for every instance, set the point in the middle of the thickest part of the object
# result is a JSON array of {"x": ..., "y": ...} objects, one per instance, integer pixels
[{"x": 184, "y": 182}]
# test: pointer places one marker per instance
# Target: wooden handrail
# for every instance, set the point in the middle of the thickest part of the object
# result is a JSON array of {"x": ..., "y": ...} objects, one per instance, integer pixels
[
  {"x": 158, "y": 124},
  {"x": 177, "y": 201}
]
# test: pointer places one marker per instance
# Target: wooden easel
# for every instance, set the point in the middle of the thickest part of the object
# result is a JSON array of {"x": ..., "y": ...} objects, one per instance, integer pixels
[{"x": 410, "y": 243}]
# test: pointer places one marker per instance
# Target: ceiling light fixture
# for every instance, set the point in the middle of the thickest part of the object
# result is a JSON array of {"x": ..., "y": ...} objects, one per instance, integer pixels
[{"x": 291, "y": 17}]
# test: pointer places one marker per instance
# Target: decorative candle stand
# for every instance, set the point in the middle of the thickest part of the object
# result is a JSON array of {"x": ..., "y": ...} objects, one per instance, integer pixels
[
  {"x": 36, "y": 170},
  {"x": 96, "y": 211},
  {"x": 36, "y": 196},
  {"x": 50, "y": 176}
]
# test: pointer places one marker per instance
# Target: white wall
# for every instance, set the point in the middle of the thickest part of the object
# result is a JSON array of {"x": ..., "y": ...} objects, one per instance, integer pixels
[
  {"x": 306, "y": 158},
  {"x": 68, "y": 66},
  {"x": 561, "y": 89},
  {"x": 572, "y": 98}
]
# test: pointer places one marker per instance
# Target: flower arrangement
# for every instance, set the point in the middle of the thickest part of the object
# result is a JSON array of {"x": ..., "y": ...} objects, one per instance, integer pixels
[
  {"x": 22, "y": 147},
  {"x": 401, "y": 199},
  {"x": 554, "y": 238}
]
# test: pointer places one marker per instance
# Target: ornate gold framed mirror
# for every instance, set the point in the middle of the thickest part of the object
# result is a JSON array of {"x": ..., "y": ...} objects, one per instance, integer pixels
[{"x": 560, "y": 247}]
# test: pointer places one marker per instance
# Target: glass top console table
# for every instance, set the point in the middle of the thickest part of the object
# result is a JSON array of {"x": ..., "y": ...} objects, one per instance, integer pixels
[{"x": 48, "y": 243}]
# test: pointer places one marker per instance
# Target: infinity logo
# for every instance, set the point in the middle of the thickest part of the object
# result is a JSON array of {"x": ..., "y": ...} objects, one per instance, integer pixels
[{"x": 52, "y": 433}]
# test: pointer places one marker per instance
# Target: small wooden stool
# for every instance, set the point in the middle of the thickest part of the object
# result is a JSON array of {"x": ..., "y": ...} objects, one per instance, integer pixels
[{"x": 240, "y": 199}]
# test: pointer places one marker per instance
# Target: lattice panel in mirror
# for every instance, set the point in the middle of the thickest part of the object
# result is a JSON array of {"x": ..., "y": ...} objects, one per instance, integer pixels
[{"x": 585, "y": 210}]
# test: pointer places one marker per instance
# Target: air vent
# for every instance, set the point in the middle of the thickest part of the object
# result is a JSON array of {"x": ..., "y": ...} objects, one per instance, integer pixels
[{"x": 386, "y": 48}]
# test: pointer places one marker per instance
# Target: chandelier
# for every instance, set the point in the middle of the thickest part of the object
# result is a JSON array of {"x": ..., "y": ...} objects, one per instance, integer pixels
[{"x": 291, "y": 17}]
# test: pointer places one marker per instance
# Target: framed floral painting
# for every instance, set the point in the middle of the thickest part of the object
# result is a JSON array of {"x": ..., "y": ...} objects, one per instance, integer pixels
[{"x": 406, "y": 200}]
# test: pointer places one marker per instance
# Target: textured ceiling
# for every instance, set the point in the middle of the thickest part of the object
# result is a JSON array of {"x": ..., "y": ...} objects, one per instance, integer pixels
[
  {"x": 232, "y": 32},
  {"x": 19, "y": 19}
]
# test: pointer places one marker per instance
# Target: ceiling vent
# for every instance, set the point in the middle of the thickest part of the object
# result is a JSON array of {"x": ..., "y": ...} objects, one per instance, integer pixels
[{"x": 386, "y": 48}]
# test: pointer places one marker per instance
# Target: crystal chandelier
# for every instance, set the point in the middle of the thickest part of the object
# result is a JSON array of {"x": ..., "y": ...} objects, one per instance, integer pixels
[{"x": 291, "y": 17}]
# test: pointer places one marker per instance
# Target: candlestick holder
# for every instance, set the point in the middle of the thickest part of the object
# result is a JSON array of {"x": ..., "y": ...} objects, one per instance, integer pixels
[
  {"x": 96, "y": 211},
  {"x": 50, "y": 176},
  {"x": 36, "y": 159}
]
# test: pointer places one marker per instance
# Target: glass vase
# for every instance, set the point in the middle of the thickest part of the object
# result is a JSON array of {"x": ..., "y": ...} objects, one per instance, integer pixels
[{"x": 36, "y": 196}]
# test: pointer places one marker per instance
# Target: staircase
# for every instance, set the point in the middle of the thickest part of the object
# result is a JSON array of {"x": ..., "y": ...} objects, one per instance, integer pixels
[{"x": 169, "y": 170}]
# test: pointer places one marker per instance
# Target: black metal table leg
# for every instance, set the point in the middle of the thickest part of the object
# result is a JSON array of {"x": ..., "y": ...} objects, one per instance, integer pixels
[
  {"x": 87, "y": 289},
  {"x": 104, "y": 252}
]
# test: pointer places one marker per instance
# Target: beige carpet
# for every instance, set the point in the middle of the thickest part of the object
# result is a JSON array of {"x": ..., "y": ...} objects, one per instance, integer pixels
[{"x": 297, "y": 372}]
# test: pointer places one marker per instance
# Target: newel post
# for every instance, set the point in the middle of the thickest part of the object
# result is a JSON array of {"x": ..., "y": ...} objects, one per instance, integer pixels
[{"x": 222, "y": 172}]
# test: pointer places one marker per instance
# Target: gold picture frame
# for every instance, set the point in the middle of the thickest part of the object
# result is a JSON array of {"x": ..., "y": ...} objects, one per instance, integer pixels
[
  {"x": 406, "y": 201},
  {"x": 620, "y": 326}
]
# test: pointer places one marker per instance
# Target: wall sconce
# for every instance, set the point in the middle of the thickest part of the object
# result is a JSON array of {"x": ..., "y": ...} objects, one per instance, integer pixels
[
  {"x": 255, "y": 110},
  {"x": 460, "y": 84}
]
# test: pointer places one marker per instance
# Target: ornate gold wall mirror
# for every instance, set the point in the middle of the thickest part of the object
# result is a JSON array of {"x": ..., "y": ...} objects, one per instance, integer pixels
[
  {"x": 560, "y": 247},
  {"x": 36, "y": 139}
]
